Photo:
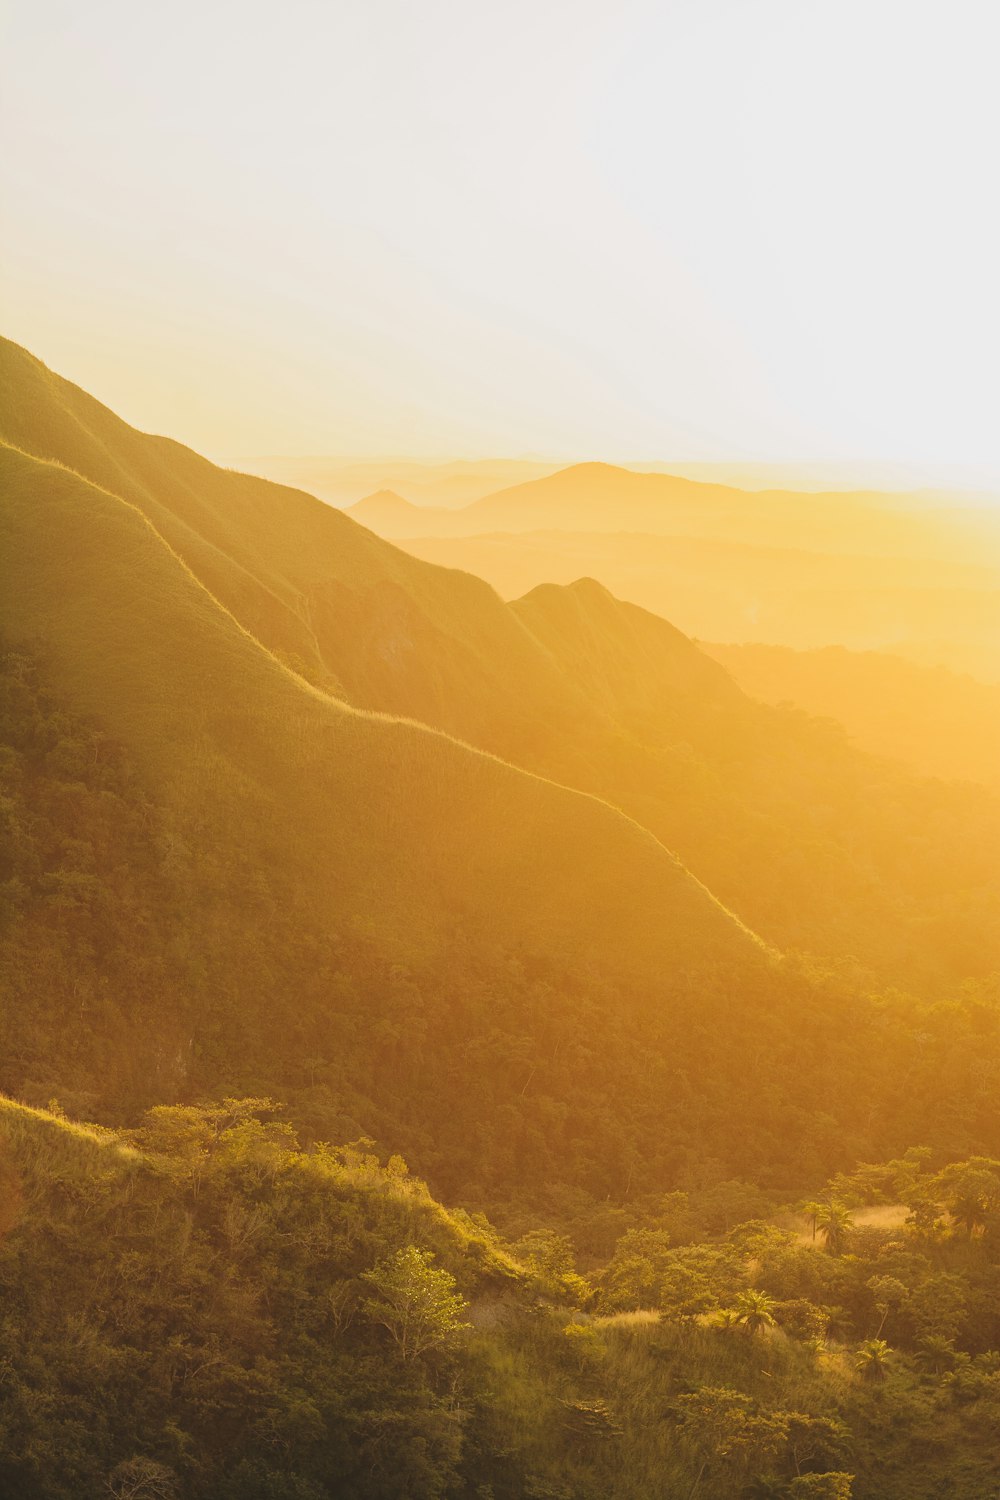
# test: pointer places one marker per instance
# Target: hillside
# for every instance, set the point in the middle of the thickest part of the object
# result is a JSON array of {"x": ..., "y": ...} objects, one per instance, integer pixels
[
  {"x": 511, "y": 981},
  {"x": 223, "y": 881},
  {"x": 813, "y": 845},
  {"x": 202, "y": 1307},
  {"x": 354, "y": 615},
  {"x": 272, "y": 797},
  {"x": 938, "y": 722}
]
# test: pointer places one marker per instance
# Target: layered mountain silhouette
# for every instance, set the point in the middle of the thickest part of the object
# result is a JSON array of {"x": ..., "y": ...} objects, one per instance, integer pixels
[
  {"x": 869, "y": 570},
  {"x": 605, "y": 498},
  {"x": 344, "y": 481}
]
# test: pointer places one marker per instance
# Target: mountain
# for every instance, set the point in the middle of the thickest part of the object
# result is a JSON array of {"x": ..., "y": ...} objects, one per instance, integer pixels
[
  {"x": 869, "y": 570},
  {"x": 934, "y": 611},
  {"x": 344, "y": 481},
  {"x": 795, "y": 832},
  {"x": 389, "y": 515},
  {"x": 603, "y": 498},
  {"x": 938, "y": 722},
  {"x": 222, "y": 876}
]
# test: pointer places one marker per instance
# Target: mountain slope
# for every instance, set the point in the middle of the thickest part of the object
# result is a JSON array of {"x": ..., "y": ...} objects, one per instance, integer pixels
[
  {"x": 815, "y": 846},
  {"x": 307, "y": 881},
  {"x": 220, "y": 878},
  {"x": 139, "y": 642},
  {"x": 332, "y": 600}
]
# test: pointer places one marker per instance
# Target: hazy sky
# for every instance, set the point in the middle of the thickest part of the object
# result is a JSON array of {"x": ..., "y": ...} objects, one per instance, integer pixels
[{"x": 703, "y": 229}]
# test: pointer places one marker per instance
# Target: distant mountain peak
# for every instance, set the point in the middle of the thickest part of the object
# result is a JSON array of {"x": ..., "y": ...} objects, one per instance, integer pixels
[
  {"x": 593, "y": 469},
  {"x": 590, "y": 587},
  {"x": 382, "y": 500}
]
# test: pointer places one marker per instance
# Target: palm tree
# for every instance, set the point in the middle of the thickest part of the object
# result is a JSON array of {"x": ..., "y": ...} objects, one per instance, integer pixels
[
  {"x": 937, "y": 1353},
  {"x": 812, "y": 1211},
  {"x": 872, "y": 1360},
  {"x": 726, "y": 1317},
  {"x": 754, "y": 1311},
  {"x": 835, "y": 1223}
]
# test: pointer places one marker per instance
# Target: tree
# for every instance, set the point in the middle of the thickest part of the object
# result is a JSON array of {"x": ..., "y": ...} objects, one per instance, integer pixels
[
  {"x": 872, "y": 1360},
  {"x": 802, "y": 1318},
  {"x": 812, "y": 1210},
  {"x": 835, "y": 1485},
  {"x": 816, "y": 1442},
  {"x": 754, "y": 1311},
  {"x": 834, "y": 1222},
  {"x": 972, "y": 1191},
  {"x": 685, "y": 1294},
  {"x": 632, "y": 1277},
  {"x": 889, "y": 1294},
  {"x": 937, "y": 1305},
  {"x": 417, "y": 1303},
  {"x": 142, "y": 1478},
  {"x": 728, "y": 1432},
  {"x": 937, "y": 1353}
]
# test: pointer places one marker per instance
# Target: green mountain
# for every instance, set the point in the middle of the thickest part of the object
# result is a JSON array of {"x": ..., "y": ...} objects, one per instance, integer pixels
[
  {"x": 221, "y": 875},
  {"x": 793, "y": 831},
  {"x": 292, "y": 837}
]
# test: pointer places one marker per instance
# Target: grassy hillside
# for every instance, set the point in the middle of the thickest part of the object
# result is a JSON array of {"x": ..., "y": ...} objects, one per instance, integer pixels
[
  {"x": 802, "y": 838},
  {"x": 350, "y": 612},
  {"x": 937, "y": 721},
  {"x": 202, "y": 1309}
]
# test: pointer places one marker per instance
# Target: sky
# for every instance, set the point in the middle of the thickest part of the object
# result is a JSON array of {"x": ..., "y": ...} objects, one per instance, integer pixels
[{"x": 709, "y": 230}]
